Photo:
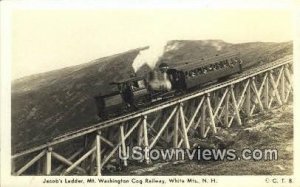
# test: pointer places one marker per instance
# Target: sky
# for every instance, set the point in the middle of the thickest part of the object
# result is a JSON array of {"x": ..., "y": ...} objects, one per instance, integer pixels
[{"x": 48, "y": 39}]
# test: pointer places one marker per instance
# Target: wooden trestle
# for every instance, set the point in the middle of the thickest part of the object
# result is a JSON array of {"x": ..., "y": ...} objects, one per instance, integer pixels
[{"x": 169, "y": 124}]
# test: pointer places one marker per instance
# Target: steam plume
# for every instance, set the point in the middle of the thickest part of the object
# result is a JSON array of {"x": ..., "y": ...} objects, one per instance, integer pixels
[{"x": 152, "y": 55}]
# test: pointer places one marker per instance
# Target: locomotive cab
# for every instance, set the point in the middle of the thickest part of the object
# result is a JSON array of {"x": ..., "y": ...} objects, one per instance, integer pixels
[
  {"x": 133, "y": 91},
  {"x": 130, "y": 94},
  {"x": 110, "y": 104}
]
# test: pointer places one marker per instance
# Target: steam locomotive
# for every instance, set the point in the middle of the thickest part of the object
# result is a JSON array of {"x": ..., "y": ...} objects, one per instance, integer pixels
[{"x": 165, "y": 82}]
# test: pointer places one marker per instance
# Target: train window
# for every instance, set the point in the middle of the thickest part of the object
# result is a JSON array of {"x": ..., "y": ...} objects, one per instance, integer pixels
[
  {"x": 134, "y": 85},
  {"x": 221, "y": 64},
  {"x": 226, "y": 63},
  {"x": 177, "y": 75},
  {"x": 186, "y": 74},
  {"x": 200, "y": 70},
  {"x": 141, "y": 84},
  {"x": 217, "y": 65},
  {"x": 120, "y": 87},
  {"x": 196, "y": 72},
  {"x": 233, "y": 62},
  {"x": 238, "y": 60},
  {"x": 193, "y": 73}
]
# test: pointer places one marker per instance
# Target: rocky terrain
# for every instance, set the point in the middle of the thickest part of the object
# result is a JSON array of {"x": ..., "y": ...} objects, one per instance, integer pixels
[{"x": 50, "y": 104}]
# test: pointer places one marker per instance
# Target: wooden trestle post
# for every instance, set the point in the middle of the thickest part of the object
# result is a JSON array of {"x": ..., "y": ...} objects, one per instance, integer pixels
[
  {"x": 248, "y": 101},
  {"x": 266, "y": 92},
  {"x": 203, "y": 120},
  {"x": 98, "y": 153},
  {"x": 289, "y": 80},
  {"x": 183, "y": 126},
  {"x": 253, "y": 84},
  {"x": 140, "y": 135},
  {"x": 226, "y": 115},
  {"x": 211, "y": 115},
  {"x": 48, "y": 161},
  {"x": 175, "y": 135},
  {"x": 123, "y": 144},
  {"x": 235, "y": 106},
  {"x": 146, "y": 140},
  {"x": 274, "y": 89},
  {"x": 282, "y": 87}
]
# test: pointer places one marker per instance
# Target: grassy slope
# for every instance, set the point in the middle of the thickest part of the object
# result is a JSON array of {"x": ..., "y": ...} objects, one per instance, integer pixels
[
  {"x": 53, "y": 103},
  {"x": 266, "y": 131}
]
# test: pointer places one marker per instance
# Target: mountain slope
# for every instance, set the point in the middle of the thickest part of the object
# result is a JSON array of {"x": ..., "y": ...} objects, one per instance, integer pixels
[
  {"x": 251, "y": 53},
  {"x": 48, "y": 104}
]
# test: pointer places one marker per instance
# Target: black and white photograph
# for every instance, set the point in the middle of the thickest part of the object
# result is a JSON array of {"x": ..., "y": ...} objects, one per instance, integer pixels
[{"x": 173, "y": 93}]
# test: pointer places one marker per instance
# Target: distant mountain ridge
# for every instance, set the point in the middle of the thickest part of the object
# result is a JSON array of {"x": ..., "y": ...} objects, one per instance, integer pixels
[{"x": 50, "y": 104}]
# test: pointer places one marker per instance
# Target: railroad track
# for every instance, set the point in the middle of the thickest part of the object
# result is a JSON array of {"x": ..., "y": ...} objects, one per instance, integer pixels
[{"x": 179, "y": 99}]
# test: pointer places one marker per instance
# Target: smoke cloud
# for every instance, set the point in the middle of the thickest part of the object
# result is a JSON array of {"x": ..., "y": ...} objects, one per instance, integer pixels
[{"x": 153, "y": 54}]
